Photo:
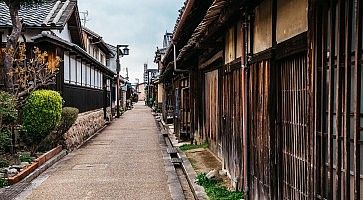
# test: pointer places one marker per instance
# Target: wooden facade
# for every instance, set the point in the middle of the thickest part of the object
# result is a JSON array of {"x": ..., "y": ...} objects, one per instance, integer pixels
[
  {"x": 276, "y": 91},
  {"x": 84, "y": 79}
]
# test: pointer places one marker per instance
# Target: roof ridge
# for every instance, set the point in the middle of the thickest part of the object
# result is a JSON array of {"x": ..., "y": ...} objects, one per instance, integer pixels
[
  {"x": 59, "y": 15},
  {"x": 51, "y": 13}
]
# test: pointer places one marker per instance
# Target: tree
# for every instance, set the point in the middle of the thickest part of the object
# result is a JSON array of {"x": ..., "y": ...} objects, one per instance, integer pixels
[{"x": 12, "y": 40}]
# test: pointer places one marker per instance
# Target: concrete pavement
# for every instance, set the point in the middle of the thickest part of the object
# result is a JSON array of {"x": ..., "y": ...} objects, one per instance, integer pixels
[{"x": 123, "y": 162}]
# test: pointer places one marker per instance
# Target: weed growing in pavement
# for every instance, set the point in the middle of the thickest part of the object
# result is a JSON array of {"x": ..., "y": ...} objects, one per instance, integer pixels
[
  {"x": 186, "y": 147},
  {"x": 215, "y": 190}
]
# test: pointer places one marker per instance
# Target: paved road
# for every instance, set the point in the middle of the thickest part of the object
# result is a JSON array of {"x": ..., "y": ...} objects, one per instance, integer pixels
[{"x": 123, "y": 162}]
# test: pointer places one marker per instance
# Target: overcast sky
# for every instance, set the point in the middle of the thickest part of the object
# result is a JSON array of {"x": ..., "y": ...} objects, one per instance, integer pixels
[{"x": 139, "y": 23}]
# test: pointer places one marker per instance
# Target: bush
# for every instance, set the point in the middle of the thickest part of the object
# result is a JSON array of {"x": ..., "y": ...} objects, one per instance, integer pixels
[
  {"x": 3, "y": 182},
  {"x": 5, "y": 139},
  {"x": 26, "y": 158},
  {"x": 42, "y": 113},
  {"x": 69, "y": 117},
  {"x": 8, "y": 111},
  {"x": 4, "y": 163},
  {"x": 8, "y": 116}
]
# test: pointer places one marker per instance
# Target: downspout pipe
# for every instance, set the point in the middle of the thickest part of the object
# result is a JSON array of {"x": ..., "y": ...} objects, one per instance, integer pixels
[{"x": 245, "y": 133}]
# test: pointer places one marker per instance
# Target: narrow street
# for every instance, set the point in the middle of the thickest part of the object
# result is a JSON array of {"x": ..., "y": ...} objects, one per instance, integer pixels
[{"x": 123, "y": 162}]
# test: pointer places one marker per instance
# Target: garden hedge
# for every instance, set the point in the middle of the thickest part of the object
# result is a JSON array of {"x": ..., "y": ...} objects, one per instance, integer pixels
[{"x": 42, "y": 114}]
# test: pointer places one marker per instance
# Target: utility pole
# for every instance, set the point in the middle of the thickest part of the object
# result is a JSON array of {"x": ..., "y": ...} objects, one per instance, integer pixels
[{"x": 84, "y": 19}]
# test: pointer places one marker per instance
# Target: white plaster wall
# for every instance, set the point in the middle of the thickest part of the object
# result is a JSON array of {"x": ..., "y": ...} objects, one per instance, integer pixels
[
  {"x": 3, "y": 35},
  {"x": 64, "y": 34},
  {"x": 292, "y": 18},
  {"x": 262, "y": 39}
]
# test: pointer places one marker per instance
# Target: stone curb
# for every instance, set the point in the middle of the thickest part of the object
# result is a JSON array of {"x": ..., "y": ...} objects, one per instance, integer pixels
[
  {"x": 13, "y": 191},
  {"x": 175, "y": 188},
  {"x": 44, "y": 167},
  {"x": 198, "y": 191}
]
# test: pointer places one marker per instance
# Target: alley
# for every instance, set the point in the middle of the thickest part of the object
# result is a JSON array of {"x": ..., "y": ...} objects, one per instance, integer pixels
[{"x": 123, "y": 162}]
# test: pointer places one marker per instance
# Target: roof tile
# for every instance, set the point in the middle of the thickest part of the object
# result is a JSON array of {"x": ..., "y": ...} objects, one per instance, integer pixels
[{"x": 37, "y": 15}]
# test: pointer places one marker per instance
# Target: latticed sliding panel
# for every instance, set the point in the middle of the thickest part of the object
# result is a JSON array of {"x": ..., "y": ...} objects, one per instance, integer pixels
[
  {"x": 294, "y": 133},
  {"x": 338, "y": 100}
]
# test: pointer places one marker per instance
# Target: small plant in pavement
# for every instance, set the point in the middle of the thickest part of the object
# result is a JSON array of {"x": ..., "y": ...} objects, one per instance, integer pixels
[
  {"x": 186, "y": 147},
  {"x": 215, "y": 190}
]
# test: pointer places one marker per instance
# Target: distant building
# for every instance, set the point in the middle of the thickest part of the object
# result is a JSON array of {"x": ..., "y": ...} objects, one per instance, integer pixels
[{"x": 141, "y": 91}]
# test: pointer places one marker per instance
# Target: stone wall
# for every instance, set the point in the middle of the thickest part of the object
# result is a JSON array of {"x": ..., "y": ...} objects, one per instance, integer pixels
[{"x": 86, "y": 125}]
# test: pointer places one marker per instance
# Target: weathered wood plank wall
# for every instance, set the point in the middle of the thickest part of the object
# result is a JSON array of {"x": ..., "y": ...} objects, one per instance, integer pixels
[
  {"x": 211, "y": 108},
  {"x": 259, "y": 82},
  {"x": 338, "y": 89},
  {"x": 231, "y": 122}
]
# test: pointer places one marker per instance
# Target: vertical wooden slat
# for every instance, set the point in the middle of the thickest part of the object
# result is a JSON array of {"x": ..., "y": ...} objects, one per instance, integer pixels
[
  {"x": 331, "y": 96},
  {"x": 347, "y": 66},
  {"x": 357, "y": 99},
  {"x": 323, "y": 97},
  {"x": 339, "y": 136}
]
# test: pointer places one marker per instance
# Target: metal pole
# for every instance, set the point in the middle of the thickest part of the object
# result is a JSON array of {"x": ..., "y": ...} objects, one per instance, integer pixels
[{"x": 118, "y": 82}]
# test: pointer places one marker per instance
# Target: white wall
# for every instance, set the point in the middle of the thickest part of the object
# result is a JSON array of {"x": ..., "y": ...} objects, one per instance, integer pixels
[{"x": 64, "y": 34}]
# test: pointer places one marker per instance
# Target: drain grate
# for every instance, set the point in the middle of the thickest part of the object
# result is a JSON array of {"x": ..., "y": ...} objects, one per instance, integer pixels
[
  {"x": 176, "y": 160},
  {"x": 172, "y": 150},
  {"x": 90, "y": 167},
  {"x": 106, "y": 142}
]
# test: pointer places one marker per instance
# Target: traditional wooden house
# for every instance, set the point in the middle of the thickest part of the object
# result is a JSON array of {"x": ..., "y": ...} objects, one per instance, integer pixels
[
  {"x": 175, "y": 76},
  {"x": 111, "y": 63},
  {"x": 84, "y": 80},
  {"x": 275, "y": 89}
]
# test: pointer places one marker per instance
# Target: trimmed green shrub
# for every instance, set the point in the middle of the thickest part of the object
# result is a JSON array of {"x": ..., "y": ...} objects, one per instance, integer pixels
[{"x": 42, "y": 113}]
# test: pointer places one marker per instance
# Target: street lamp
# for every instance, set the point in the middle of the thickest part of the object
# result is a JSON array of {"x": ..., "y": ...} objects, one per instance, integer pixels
[{"x": 124, "y": 52}]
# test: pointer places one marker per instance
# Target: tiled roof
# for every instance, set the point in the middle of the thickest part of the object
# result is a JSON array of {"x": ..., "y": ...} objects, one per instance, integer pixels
[
  {"x": 211, "y": 16},
  {"x": 181, "y": 12},
  {"x": 49, "y": 14}
]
